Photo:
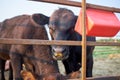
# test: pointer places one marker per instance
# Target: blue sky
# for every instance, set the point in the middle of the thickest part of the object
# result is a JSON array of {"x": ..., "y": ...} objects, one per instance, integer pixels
[{"x": 11, "y": 8}]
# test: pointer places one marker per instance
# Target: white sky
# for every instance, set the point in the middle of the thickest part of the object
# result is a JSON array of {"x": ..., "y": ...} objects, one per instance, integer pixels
[{"x": 11, "y": 8}]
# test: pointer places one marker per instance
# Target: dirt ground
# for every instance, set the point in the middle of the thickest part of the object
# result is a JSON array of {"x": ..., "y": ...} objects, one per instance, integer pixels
[
  {"x": 102, "y": 66},
  {"x": 106, "y": 67}
]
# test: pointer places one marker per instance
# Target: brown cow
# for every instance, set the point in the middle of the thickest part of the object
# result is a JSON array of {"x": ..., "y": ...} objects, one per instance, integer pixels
[{"x": 36, "y": 58}]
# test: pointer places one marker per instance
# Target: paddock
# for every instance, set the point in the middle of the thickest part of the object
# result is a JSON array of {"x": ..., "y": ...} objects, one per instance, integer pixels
[{"x": 83, "y": 43}]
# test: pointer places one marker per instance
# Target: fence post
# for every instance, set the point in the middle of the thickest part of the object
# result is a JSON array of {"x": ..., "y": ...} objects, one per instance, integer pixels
[{"x": 83, "y": 40}]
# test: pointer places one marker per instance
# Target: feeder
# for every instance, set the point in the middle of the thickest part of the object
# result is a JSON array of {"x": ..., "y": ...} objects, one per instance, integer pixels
[{"x": 99, "y": 23}]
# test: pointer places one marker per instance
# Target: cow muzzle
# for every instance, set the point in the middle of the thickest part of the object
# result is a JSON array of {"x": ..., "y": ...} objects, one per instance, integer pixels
[{"x": 60, "y": 53}]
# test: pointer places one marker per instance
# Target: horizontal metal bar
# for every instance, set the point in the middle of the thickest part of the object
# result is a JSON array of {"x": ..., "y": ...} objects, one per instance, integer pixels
[
  {"x": 53, "y": 42},
  {"x": 102, "y": 78},
  {"x": 105, "y": 78},
  {"x": 78, "y": 4},
  {"x": 37, "y": 42},
  {"x": 90, "y": 43}
]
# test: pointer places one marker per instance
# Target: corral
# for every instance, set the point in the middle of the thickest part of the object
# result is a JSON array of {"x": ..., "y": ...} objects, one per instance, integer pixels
[{"x": 83, "y": 43}]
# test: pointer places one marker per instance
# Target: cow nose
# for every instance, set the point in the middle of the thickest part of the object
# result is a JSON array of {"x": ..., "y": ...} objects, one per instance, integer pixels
[
  {"x": 59, "y": 50},
  {"x": 58, "y": 53}
]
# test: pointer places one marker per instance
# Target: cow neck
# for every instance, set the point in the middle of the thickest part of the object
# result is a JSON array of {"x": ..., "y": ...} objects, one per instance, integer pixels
[{"x": 72, "y": 35}]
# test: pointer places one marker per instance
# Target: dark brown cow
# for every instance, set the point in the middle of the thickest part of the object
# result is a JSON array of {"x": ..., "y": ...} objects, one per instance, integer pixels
[
  {"x": 61, "y": 24},
  {"x": 36, "y": 58}
]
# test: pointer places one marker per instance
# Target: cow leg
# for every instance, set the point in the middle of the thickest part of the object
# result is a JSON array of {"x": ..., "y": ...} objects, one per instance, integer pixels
[
  {"x": 89, "y": 65},
  {"x": 16, "y": 66},
  {"x": 67, "y": 66},
  {"x": 16, "y": 62},
  {"x": 71, "y": 64},
  {"x": 2, "y": 67}
]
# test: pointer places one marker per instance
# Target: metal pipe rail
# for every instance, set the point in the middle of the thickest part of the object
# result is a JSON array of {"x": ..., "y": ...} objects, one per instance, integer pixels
[
  {"x": 79, "y": 4},
  {"x": 101, "y": 78},
  {"x": 53, "y": 42}
]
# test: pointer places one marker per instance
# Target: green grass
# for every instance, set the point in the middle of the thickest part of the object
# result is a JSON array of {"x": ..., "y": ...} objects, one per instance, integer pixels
[{"x": 104, "y": 51}]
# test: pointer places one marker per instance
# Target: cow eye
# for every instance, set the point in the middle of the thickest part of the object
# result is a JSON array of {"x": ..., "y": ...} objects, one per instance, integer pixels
[
  {"x": 52, "y": 25},
  {"x": 52, "y": 32},
  {"x": 63, "y": 24}
]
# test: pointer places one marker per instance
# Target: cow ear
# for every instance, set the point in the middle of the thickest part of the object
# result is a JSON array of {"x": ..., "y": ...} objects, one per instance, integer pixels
[{"x": 40, "y": 19}]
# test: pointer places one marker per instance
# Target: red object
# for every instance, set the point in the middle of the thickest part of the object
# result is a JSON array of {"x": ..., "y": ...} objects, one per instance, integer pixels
[{"x": 99, "y": 23}]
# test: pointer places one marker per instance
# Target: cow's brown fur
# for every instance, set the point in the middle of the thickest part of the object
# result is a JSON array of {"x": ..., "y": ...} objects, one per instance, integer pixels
[
  {"x": 34, "y": 56},
  {"x": 27, "y": 75}
]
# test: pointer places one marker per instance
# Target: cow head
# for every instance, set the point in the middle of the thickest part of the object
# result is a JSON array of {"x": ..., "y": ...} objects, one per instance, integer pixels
[{"x": 61, "y": 24}]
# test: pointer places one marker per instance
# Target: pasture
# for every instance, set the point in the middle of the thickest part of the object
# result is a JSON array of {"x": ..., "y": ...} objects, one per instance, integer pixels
[{"x": 106, "y": 51}]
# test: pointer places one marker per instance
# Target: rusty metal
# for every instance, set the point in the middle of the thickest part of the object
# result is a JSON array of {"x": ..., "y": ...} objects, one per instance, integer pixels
[
  {"x": 105, "y": 78},
  {"x": 37, "y": 42},
  {"x": 83, "y": 25},
  {"x": 78, "y": 4},
  {"x": 101, "y": 78},
  {"x": 53, "y": 42},
  {"x": 90, "y": 43}
]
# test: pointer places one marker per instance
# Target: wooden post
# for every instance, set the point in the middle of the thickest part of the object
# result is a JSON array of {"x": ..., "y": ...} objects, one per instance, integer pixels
[{"x": 83, "y": 40}]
